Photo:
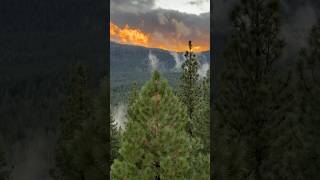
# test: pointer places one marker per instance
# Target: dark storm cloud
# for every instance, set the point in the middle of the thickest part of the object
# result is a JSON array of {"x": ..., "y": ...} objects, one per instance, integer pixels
[{"x": 162, "y": 24}]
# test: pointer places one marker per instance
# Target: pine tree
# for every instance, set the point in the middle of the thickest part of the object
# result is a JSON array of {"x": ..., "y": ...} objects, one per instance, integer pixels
[
  {"x": 4, "y": 172},
  {"x": 91, "y": 156},
  {"x": 308, "y": 70},
  {"x": 253, "y": 103},
  {"x": 133, "y": 94},
  {"x": 201, "y": 127},
  {"x": 189, "y": 89},
  {"x": 79, "y": 109},
  {"x": 155, "y": 144}
]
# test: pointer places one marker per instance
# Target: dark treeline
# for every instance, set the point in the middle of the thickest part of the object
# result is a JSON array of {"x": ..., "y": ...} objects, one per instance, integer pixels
[
  {"x": 81, "y": 148},
  {"x": 40, "y": 42},
  {"x": 265, "y": 112}
]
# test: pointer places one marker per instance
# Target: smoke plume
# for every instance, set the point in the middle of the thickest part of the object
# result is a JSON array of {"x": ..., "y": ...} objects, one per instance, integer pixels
[
  {"x": 178, "y": 61},
  {"x": 119, "y": 115},
  {"x": 154, "y": 61}
]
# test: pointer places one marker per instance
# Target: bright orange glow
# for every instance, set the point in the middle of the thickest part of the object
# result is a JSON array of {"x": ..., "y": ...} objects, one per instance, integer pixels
[
  {"x": 196, "y": 48},
  {"x": 135, "y": 36},
  {"x": 128, "y": 35}
]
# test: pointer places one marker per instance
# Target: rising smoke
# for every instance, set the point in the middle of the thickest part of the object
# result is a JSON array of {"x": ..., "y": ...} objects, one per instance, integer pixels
[
  {"x": 120, "y": 115},
  {"x": 178, "y": 61},
  {"x": 154, "y": 61},
  {"x": 203, "y": 69},
  {"x": 204, "y": 66}
]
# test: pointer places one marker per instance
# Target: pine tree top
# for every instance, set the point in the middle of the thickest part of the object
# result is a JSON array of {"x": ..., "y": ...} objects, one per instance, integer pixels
[
  {"x": 155, "y": 143},
  {"x": 156, "y": 76}
]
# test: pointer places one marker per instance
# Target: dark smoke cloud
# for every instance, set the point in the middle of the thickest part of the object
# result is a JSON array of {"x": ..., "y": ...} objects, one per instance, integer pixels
[{"x": 162, "y": 24}]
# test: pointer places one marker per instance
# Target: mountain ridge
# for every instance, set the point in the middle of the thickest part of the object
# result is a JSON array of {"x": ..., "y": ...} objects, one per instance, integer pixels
[{"x": 113, "y": 43}]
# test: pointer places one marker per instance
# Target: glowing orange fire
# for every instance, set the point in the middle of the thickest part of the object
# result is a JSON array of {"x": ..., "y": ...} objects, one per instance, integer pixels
[
  {"x": 128, "y": 35},
  {"x": 196, "y": 48}
]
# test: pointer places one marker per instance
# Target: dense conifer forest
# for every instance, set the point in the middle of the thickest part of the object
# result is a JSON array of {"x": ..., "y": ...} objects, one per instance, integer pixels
[
  {"x": 264, "y": 111},
  {"x": 166, "y": 134}
]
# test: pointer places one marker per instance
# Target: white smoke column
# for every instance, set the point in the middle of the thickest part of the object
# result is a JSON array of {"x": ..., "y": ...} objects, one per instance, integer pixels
[
  {"x": 202, "y": 71},
  {"x": 204, "y": 65},
  {"x": 154, "y": 61},
  {"x": 119, "y": 115},
  {"x": 178, "y": 61}
]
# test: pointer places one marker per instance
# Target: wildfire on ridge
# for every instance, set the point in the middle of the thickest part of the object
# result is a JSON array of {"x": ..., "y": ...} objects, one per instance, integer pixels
[
  {"x": 128, "y": 35},
  {"x": 135, "y": 36}
]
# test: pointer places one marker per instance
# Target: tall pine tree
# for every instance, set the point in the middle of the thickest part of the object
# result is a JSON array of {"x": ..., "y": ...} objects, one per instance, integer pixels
[
  {"x": 253, "y": 101},
  {"x": 189, "y": 86},
  {"x": 201, "y": 128},
  {"x": 91, "y": 141},
  {"x": 155, "y": 144},
  {"x": 78, "y": 110},
  {"x": 308, "y": 70}
]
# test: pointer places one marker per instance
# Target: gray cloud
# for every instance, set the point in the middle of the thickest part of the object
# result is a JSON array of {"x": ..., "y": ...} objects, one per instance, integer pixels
[
  {"x": 197, "y": 2},
  {"x": 131, "y": 6},
  {"x": 162, "y": 23}
]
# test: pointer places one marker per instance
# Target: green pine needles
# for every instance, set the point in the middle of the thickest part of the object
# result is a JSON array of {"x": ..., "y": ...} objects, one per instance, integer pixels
[
  {"x": 189, "y": 88},
  {"x": 155, "y": 144}
]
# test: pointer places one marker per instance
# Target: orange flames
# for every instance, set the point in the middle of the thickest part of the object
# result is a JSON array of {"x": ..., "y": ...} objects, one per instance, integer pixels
[
  {"x": 128, "y": 35},
  {"x": 196, "y": 48}
]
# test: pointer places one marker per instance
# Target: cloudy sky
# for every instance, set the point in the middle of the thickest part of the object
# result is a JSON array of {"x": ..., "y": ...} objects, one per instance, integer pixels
[{"x": 166, "y": 24}]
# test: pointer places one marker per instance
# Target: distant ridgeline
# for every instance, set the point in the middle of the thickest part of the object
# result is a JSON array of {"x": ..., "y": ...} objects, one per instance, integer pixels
[{"x": 129, "y": 64}]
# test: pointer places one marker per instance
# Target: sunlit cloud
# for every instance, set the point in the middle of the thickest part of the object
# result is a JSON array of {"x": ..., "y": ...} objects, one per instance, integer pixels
[
  {"x": 135, "y": 36},
  {"x": 146, "y": 23}
]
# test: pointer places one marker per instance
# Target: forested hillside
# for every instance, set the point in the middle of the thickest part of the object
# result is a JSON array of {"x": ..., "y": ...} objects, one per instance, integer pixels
[
  {"x": 130, "y": 64},
  {"x": 165, "y": 133}
]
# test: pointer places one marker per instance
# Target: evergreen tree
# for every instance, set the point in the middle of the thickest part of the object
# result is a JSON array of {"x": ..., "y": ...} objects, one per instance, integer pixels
[
  {"x": 155, "y": 144},
  {"x": 4, "y": 172},
  {"x": 189, "y": 89},
  {"x": 201, "y": 127},
  {"x": 78, "y": 110},
  {"x": 253, "y": 103},
  {"x": 91, "y": 156},
  {"x": 308, "y": 110},
  {"x": 133, "y": 94}
]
